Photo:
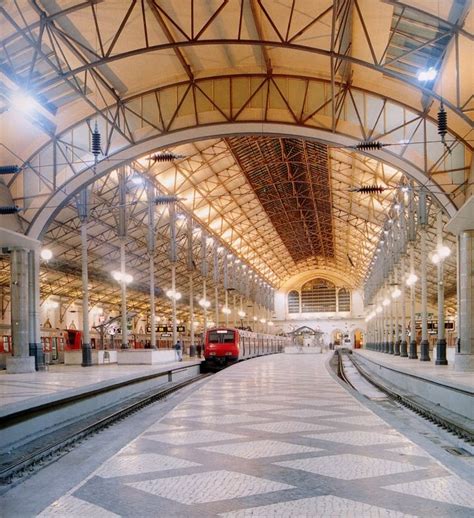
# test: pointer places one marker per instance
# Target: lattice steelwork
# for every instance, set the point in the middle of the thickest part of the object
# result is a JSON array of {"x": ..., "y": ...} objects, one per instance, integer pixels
[
  {"x": 291, "y": 180},
  {"x": 340, "y": 71}
]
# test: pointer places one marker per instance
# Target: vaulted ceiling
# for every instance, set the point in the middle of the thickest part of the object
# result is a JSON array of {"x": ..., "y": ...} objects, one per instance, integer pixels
[{"x": 265, "y": 101}]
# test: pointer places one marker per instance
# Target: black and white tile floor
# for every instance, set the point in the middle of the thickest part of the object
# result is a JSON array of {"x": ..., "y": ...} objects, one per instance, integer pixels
[{"x": 272, "y": 437}]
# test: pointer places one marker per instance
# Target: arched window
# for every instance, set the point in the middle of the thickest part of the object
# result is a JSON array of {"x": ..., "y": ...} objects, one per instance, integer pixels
[
  {"x": 344, "y": 300},
  {"x": 318, "y": 296},
  {"x": 293, "y": 302}
]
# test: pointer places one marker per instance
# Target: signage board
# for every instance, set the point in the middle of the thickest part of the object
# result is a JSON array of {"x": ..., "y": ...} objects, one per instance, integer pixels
[
  {"x": 180, "y": 329},
  {"x": 163, "y": 329},
  {"x": 165, "y": 335}
]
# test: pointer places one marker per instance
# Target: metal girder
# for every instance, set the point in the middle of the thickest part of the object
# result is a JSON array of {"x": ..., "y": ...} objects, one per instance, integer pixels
[
  {"x": 270, "y": 30},
  {"x": 69, "y": 152}
]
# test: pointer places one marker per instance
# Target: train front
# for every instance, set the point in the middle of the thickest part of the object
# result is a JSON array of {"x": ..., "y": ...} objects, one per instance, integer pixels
[{"x": 221, "y": 346}]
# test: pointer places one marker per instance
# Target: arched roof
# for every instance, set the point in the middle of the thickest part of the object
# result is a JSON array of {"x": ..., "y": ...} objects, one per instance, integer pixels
[{"x": 200, "y": 77}]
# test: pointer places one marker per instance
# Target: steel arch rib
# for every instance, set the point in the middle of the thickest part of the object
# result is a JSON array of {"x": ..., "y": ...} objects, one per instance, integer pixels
[{"x": 70, "y": 188}]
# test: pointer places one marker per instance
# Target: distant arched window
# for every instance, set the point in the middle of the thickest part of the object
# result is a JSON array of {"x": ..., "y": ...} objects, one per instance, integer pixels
[
  {"x": 318, "y": 296},
  {"x": 293, "y": 302},
  {"x": 344, "y": 300}
]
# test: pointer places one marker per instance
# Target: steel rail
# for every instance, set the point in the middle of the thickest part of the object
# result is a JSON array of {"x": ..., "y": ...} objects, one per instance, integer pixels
[
  {"x": 447, "y": 422},
  {"x": 71, "y": 434}
]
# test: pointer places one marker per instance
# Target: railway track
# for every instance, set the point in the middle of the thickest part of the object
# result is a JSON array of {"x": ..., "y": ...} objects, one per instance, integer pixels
[
  {"x": 36, "y": 454},
  {"x": 443, "y": 418}
]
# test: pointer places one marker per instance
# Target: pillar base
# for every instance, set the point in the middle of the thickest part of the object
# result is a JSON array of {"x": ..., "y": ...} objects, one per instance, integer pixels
[
  {"x": 403, "y": 349},
  {"x": 397, "y": 348},
  {"x": 36, "y": 351},
  {"x": 424, "y": 351},
  {"x": 441, "y": 352},
  {"x": 86, "y": 355},
  {"x": 413, "y": 354},
  {"x": 124, "y": 346},
  {"x": 464, "y": 362},
  {"x": 20, "y": 364},
  {"x": 390, "y": 348}
]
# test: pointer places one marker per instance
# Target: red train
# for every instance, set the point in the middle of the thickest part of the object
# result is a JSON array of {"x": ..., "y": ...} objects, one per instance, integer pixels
[{"x": 225, "y": 345}]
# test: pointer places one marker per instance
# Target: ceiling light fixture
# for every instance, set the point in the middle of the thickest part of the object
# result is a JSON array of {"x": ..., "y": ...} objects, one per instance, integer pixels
[
  {"x": 427, "y": 75},
  {"x": 46, "y": 254}
]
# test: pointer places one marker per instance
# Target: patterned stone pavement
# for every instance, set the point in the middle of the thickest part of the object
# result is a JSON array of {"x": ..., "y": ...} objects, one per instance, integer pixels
[{"x": 271, "y": 437}]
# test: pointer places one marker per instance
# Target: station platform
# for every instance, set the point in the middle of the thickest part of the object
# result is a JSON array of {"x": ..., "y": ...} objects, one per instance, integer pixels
[
  {"x": 428, "y": 370},
  {"x": 277, "y": 436},
  {"x": 19, "y": 392},
  {"x": 447, "y": 392}
]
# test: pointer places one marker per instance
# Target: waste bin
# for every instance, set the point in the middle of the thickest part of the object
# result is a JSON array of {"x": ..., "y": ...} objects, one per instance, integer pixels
[{"x": 192, "y": 350}]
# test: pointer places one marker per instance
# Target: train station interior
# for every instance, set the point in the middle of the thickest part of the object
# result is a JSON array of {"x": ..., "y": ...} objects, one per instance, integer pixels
[{"x": 237, "y": 258}]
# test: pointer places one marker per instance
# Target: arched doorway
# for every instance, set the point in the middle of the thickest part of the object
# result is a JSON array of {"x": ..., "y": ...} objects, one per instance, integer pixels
[
  {"x": 337, "y": 337},
  {"x": 358, "y": 338}
]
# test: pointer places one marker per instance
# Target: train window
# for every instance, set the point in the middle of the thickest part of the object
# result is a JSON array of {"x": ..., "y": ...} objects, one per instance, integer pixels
[{"x": 221, "y": 336}]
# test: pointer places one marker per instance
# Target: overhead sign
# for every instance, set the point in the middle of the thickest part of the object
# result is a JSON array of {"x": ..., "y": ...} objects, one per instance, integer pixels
[
  {"x": 165, "y": 335},
  {"x": 180, "y": 329},
  {"x": 163, "y": 329}
]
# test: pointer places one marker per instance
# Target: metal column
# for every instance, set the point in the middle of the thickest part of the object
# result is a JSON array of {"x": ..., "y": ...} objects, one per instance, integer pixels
[
  {"x": 413, "y": 354},
  {"x": 441, "y": 342},
  {"x": 86, "y": 341},
  {"x": 396, "y": 350},
  {"x": 151, "y": 260},
  {"x": 173, "y": 260},
  {"x": 191, "y": 308},
  {"x": 424, "y": 345},
  {"x": 123, "y": 293},
  {"x": 122, "y": 233},
  {"x": 173, "y": 303},
  {"x": 403, "y": 342}
]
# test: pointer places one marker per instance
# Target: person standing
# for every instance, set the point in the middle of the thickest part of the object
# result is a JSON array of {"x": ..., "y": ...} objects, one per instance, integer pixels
[{"x": 179, "y": 352}]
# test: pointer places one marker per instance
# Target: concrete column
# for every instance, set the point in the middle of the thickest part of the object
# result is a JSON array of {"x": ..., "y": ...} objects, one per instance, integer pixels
[
  {"x": 403, "y": 338},
  {"x": 424, "y": 345},
  {"x": 464, "y": 359},
  {"x": 86, "y": 341},
  {"x": 123, "y": 292},
  {"x": 36, "y": 349},
  {"x": 21, "y": 361}
]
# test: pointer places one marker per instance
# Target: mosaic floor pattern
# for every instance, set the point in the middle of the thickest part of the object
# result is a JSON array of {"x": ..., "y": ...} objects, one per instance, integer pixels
[{"x": 274, "y": 437}]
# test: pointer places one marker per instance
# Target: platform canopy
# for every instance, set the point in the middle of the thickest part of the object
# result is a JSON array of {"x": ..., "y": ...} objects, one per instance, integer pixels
[{"x": 268, "y": 102}]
